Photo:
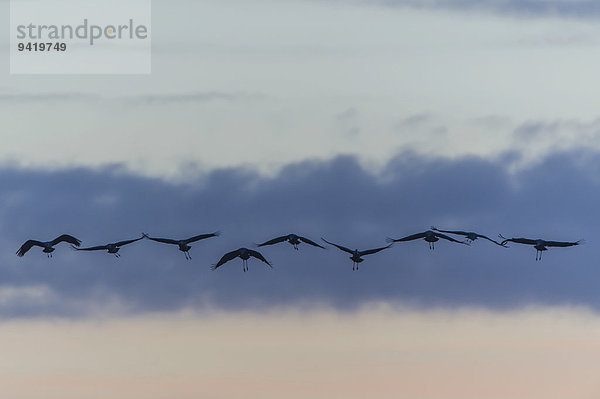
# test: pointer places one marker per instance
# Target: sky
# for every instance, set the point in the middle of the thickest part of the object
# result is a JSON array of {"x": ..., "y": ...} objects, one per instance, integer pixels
[{"x": 349, "y": 120}]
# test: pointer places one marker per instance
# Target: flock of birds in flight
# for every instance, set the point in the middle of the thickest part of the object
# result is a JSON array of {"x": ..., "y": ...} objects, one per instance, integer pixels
[{"x": 430, "y": 236}]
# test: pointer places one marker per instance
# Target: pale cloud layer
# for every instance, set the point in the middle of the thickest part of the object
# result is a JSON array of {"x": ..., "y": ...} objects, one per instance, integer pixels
[
  {"x": 264, "y": 83},
  {"x": 535, "y": 353}
]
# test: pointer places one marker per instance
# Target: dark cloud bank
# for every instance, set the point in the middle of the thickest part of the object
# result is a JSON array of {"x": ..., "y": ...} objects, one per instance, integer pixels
[{"x": 336, "y": 199}]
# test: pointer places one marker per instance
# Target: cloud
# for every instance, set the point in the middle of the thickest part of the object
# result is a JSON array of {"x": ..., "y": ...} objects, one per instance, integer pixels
[
  {"x": 336, "y": 199},
  {"x": 559, "y": 130},
  {"x": 570, "y": 8},
  {"x": 347, "y": 115},
  {"x": 414, "y": 121},
  {"x": 348, "y": 122},
  {"x": 535, "y": 139}
]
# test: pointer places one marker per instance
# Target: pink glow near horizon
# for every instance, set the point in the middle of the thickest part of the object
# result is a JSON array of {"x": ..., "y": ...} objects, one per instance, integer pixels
[{"x": 533, "y": 353}]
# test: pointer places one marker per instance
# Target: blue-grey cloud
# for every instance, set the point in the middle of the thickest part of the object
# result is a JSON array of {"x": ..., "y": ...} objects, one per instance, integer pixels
[
  {"x": 348, "y": 122},
  {"x": 415, "y": 121},
  {"x": 336, "y": 199},
  {"x": 534, "y": 130},
  {"x": 577, "y": 8},
  {"x": 349, "y": 114}
]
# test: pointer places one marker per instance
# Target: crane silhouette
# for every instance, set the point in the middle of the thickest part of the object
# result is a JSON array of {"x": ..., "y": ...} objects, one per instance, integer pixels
[
  {"x": 112, "y": 248},
  {"x": 539, "y": 244},
  {"x": 470, "y": 236},
  {"x": 47, "y": 245},
  {"x": 293, "y": 239},
  {"x": 244, "y": 254},
  {"x": 356, "y": 254},
  {"x": 183, "y": 244},
  {"x": 429, "y": 236}
]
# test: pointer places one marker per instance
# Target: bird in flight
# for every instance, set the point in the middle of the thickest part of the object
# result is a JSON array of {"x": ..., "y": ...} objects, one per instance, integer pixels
[
  {"x": 470, "y": 236},
  {"x": 112, "y": 248},
  {"x": 429, "y": 236},
  {"x": 244, "y": 254},
  {"x": 47, "y": 245},
  {"x": 539, "y": 244},
  {"x": 183, "y": 244},
  {"x": 293, "y": 239},
  {"x": 356, "y": 254}
]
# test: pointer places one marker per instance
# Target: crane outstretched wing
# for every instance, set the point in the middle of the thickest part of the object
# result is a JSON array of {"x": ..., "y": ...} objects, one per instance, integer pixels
[
  {"x": 489, "y": 239},
  {"x": 27, "y": 246},
  {"x": 445, "y": 237},
  {"x": 121, "y": 243},
  {"x": 310, "y": 242},
  {"x": 163, "y": 240},
  {"x": 462, "y": 233},
  {"x": 408, "y": 238},
  {"x": 96, "y": 248},
  {"x": 274, "y": 241},
  {"x": 467, "y": 234},
  {"x": 226, "y": 258},
  {"x": 560, "y": 243},
  {"x": 526, "y": 241},
  {"x": 258, "y": 256},
  {"x": 339, "y": 246},
  {"x": 66, "y": 238},
  {"x": 372, "y": 251},
  {"x": 202, "y": 237}
]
